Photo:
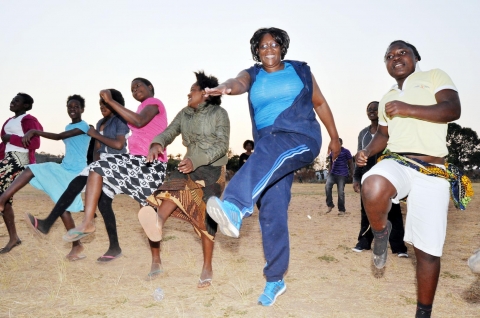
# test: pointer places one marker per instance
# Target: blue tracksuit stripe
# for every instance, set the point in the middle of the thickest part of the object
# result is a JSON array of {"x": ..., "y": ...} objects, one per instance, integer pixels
[{"x": 258, "y": 189}]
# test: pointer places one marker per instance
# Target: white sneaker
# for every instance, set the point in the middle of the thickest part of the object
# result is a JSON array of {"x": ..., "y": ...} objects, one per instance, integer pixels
[{"x": 402, "y": 255}]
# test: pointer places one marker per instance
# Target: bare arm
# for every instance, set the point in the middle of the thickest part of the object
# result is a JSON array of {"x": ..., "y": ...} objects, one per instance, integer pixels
[
  {"x": 61, "y": 136},
  {"x": 233, "y": 86},
  {"x": 323, "y": 111},
  {"x": 446, "y": 110},
  {"x": 378, "y": 143},
  {"x": 116, "y": 143},
  {"x": 134, "y": 119},
  {"x": 350, "y": 166}
]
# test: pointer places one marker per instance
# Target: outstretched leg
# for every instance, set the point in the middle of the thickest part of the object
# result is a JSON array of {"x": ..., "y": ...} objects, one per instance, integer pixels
[
  {"x": 67, "y": 198},
  {"x": 22, "y": 180},
  {"x": 277, "y": 155}
]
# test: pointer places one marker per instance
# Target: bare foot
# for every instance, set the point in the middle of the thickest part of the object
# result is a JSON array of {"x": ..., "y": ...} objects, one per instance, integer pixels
[
  {"x": 74, "y": 254},
  {"x": 155, "y": 271},
  {"x": 205, "y": 279}
]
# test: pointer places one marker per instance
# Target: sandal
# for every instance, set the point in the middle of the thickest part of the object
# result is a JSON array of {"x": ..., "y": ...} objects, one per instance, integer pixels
[
  {"x": 33, "y": 225},
  {"x": 204, "y": 283},
  {"x": 107, "y": 258}
]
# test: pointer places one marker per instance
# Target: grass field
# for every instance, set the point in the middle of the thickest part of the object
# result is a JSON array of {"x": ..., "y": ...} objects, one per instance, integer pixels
[{"x": 325, "y": 278}]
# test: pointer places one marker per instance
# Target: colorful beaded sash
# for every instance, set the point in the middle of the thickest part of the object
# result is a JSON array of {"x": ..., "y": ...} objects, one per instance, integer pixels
[{"x": 461, "y": 190}]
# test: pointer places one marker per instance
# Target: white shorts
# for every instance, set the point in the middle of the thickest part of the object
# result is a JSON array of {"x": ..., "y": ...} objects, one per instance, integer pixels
[{"x": 427, "y": 204}]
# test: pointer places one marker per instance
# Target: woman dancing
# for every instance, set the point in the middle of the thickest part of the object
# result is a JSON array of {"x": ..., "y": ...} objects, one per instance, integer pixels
[
  {"x": 15, "y": 156},
  {"x": 413, "y": 119},
  {"x": 282, "y": 97},
  {"x": 129, "y": 173},
  {"x": 53, "y": 178},
  {"x": 109, "y": 138},
  {"x": 205, "y": 130}
]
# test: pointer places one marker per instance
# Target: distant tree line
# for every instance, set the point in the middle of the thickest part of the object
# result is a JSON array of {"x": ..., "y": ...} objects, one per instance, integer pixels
[{"x": 463, "y": 147}]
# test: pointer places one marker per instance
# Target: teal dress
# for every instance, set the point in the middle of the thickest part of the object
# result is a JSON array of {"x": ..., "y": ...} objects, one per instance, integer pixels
[{"x": 53, "y": 178}]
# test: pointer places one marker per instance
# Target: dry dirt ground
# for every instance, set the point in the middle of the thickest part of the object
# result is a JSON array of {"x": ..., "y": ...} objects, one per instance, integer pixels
[{"x": 325, "y": 279}]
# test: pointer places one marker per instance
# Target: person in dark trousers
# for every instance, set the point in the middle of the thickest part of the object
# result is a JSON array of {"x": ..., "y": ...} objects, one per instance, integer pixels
[
  {"x": 338, "y": 173},
  {"x": 365, "y": 237},
  {"x": 283, "y": 98}
]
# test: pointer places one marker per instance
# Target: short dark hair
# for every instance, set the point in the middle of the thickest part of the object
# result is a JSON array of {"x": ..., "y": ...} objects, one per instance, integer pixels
[
  {"x": 341, "y": 141},
  {"x": 280, "y": 36},
  {"x": 204, "y": 81},
  {"x": 27, "y": 99},
  {"x": 246, "y": 142},
  {"x": 373, "y": 102},
  {"x": 411, "y": 46},
  {"x": 146, "y": 82},
  {"x": 78, "y": 98}
]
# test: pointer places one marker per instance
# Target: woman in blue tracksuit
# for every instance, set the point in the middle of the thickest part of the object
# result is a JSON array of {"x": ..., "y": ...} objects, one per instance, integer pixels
[{"x": 282, "y": 97}]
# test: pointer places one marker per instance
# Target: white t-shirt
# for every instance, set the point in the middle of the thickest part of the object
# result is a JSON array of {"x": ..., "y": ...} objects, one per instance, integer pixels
[{"x": 14, "y": 127}]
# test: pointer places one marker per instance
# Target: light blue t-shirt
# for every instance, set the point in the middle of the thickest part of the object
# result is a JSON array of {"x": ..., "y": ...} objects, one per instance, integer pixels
[
  {"x": 76, "y": 148},
  {"x": 272, "y": 93}
]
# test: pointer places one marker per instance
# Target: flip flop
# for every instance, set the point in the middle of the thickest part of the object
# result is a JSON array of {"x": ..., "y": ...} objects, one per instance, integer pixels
[
  {"x": 148, "y": 218},
  {"x": 107, "y": 258},
  {"x": 154, "y": 274},
  {"x": 74, "y": 235},
  {"x": 204, "y": 283},
  {"x": 75, "y": 257},
  {"x": 5, "y": 250},
  {"x": 33, "y": 225}
]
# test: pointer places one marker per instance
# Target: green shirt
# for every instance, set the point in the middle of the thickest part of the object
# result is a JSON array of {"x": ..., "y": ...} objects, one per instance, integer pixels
[{"x": 205, "y": 132}]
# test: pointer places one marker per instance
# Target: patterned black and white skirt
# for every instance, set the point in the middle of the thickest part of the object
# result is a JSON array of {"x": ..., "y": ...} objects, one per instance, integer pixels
[{"x": 129, "y": 174}]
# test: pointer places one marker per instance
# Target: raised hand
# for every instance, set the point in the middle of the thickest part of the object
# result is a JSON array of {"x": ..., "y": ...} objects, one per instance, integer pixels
[{"x": 106, "y": 95}]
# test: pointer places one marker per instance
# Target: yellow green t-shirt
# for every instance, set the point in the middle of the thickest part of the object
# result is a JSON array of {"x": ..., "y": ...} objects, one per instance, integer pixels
[{"x": 411, "y": 134}]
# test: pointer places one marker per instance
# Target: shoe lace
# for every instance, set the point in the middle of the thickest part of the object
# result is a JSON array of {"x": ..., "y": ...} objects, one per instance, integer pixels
[{"x": 272, "y": 288}]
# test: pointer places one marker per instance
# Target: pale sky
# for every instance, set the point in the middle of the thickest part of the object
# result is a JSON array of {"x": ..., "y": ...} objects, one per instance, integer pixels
[{"x": 53, "y": 49}]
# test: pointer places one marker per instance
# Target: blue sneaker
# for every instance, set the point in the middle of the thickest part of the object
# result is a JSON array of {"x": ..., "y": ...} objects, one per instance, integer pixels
[
  {"x": 226, "y": 214},
  {"x": 271, "y": 292}
]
